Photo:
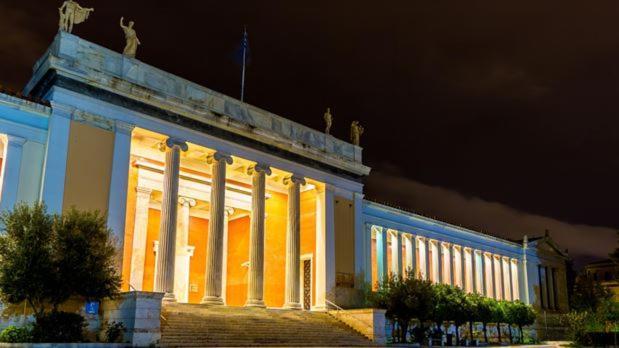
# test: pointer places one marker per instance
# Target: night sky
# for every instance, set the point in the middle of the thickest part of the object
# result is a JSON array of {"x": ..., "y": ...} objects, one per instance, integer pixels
[{"x": 502, "y": 116}]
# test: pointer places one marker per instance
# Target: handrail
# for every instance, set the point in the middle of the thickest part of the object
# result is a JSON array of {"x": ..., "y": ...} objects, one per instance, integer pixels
[{"x": 340, "y": 309}]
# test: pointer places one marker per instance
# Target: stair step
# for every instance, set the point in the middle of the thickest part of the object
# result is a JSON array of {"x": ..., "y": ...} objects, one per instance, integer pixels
[{"x": 188, "y": 325}]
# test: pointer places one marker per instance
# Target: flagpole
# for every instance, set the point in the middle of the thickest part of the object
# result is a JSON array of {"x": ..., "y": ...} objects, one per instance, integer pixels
[{"x": 244, "y": 56}]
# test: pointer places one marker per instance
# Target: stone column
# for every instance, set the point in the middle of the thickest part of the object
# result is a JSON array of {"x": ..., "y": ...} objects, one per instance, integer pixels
[
  {"x": 511, "y": 280},
  {"x": 293, "y": 243},
  {"x": 396, "y": 252},
  {"x": 474, "y": 271},
  {"x": 214, "y": 251},
  {"x": 184, "y": 252},
  {"x": 140, "y": 228},
  {"x": 167, "y": 228},
  {"x": 493, "y": 283},
  {"x": 452, "y": 271},
  {"x": 255, "y": 286},
  {"x": 439, "y": 248},
  {"x": 11, "y": 175},
  {"x": 409, "y": 245},
  {"x": 57, "y": 150},
  {"x": 464, "y": 279},
  {"x": 119, "y": 183},
  {"x": 484, "y": 286},
  {"x": 224, "y": 269},
  {"x": 429, "y": 266},
  {"x": 381, "y": 253}
]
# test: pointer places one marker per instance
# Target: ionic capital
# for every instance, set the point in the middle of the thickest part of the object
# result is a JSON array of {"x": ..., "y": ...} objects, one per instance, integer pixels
[
  {"x": 294, "y": 179},
  {"x": 143, "y": 190},
  {"x": 187, "y": 202},
  {"x": 171, "y": 143},
  {"x": 259, "y": 168},
  {"x": 229, "y": 211},
  {"x": 218, "y": 156}
]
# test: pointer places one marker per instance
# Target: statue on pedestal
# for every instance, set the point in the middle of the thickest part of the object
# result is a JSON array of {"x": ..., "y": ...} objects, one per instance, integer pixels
[
  {"x": 356, "y": 130},
  {"x": 72, "y": 13},
  {"x": 328, "y": 120},
  {"x": 132, "y": 38}
]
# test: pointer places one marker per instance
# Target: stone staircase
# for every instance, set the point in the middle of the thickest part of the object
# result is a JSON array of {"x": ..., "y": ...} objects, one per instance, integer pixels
[{"x": 189, "y": 325}]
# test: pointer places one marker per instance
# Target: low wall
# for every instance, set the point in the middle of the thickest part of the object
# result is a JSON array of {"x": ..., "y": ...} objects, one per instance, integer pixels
[
  {"x": 369, "y": 322},
  {"x": 140, "y": 313}
]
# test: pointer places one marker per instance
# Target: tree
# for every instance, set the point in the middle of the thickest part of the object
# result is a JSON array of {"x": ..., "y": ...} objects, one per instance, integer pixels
[
  {"x": 394, "y": 296},
  {"x": 471, "y": 303},
  {"x": 86, "y": 255},
  {"x": 445, "y": 305},
  {"x": 498, "y": 316},
  {"x": 485, "y": 313},
  {"x": 462, "y": 310},
  {"x": 46, "y": 259},
  {"x": 522, "y": 315},
  {"x": 27, "y": 270},
  {"x": 589, "y": 295},
  {"x": 403, "y": 298}
]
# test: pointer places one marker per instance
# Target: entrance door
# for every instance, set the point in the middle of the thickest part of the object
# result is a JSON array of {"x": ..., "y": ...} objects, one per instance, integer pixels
[{"x": 307, "y": 284}]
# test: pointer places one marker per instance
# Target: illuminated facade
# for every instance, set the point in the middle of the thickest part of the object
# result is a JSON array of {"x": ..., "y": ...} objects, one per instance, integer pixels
[{"x": 215, "y": 201}]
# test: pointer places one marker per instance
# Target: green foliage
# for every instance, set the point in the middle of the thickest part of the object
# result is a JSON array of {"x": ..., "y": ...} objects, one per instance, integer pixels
[
  {"x": 408, "y": 298},
  {"x": 589, "y": 295},
  {"x": 27, "y": 269},
  {"x": 46, "y": 259},
  {"x": 59, "y": 327},
  {"x": 114, "y": 332},
  {"x": 404, "y": 298},
  {"x": 519, "y": 314},
  {"x": 576, "y": 323},
  {"x": 14, "y": 334},
  {"x": 87, "y": 255}
]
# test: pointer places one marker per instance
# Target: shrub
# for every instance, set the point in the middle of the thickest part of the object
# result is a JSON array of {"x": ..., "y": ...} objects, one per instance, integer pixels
[
  {"x": 55, "y": 327},
  {"x": 576, "y": 323},
  {"x": 114, "y": 332},
  {"x": 14, "y": 334}
]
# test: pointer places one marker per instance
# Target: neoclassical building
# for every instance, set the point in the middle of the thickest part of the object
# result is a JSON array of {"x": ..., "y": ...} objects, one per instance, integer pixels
[{"x": 212, "y": 200}]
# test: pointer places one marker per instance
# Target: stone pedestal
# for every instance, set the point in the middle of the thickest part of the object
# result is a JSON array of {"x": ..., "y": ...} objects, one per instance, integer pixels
[{"x": 140, "y": 313}]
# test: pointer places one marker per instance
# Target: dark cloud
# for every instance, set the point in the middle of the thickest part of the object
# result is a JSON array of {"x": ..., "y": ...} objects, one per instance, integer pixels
[{"x": 584, "y": 242}]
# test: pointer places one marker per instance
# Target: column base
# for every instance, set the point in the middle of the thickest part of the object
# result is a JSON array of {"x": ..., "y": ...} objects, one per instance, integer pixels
[
  {"x": 255, "y": 303},
  {"x": 212, "y": 300},
  {"x": 292, "y": 305},
  {"x": 169, "y": 297}
]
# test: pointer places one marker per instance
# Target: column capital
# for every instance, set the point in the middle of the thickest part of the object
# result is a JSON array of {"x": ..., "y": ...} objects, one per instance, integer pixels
[
  {"x": 14, "y": 140},
  {"x": 173, "y": 142},
  {"x": 144, "y": 190},
  {"x": 219, "y": 156},
  {"x": 229, "y": 211},
  {"x": 294, "y": 179},
  {"x": 186, "y": 201},
  {"x": 62, "y": 110},
  {"x": 123, "y": 127},
  {"x": 259, "y": 168}
]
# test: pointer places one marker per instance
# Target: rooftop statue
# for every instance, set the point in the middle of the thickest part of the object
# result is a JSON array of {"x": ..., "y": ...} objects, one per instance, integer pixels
[
  {"x": 132, "y": 38},
  {"x": 72, "y": 13},
  {"x": 356, "y": 130},
  {"x": 328, "y": 120}
]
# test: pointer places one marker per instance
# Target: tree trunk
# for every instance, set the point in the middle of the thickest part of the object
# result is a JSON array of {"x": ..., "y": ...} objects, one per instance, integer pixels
[
  {"x": 403, "y": 330},
  {"x": 511, "y": 334},
  {"x": 485, "y": 332},
  {"x": 457, "y": 343},
  {"x": 498, "y": 330},
  {"x": 521, "y": 335},
  {"x": 471, "y": 330}
]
